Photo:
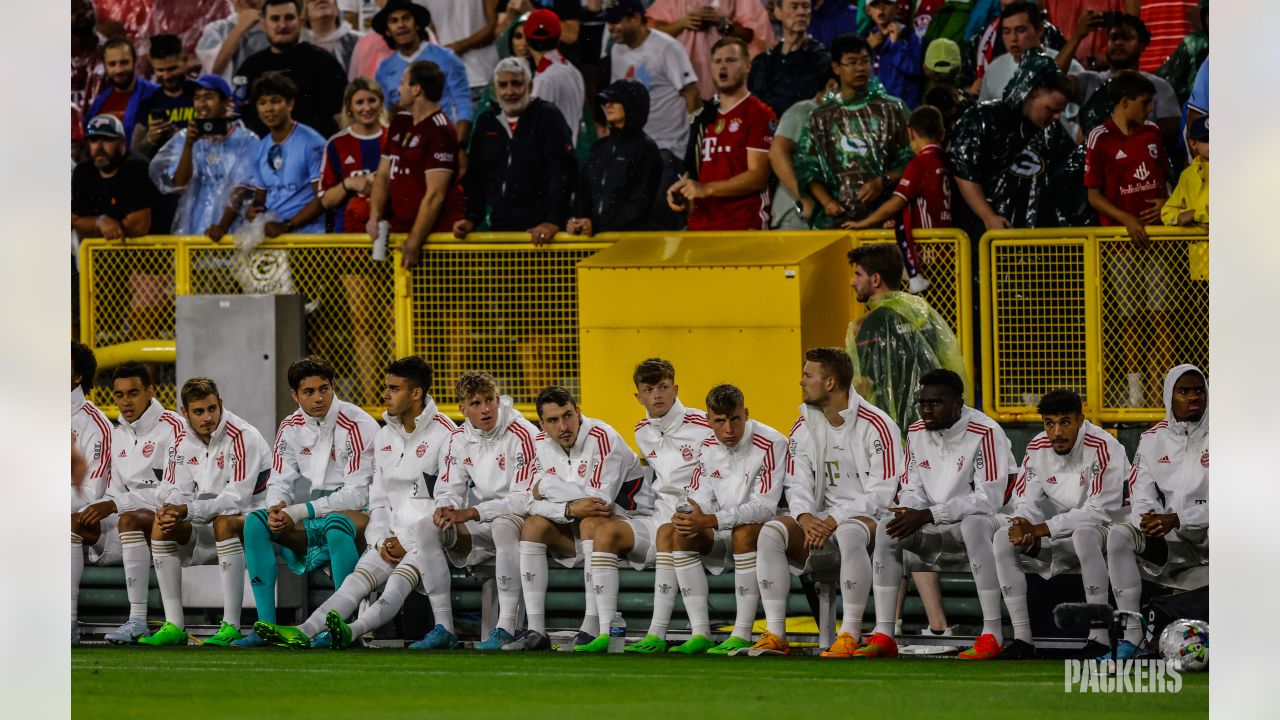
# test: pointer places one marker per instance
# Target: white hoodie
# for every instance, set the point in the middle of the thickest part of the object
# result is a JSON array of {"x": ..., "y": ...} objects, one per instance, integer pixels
[
  {"x": 228, "y": 476},
  {"x": 406, "y": 468},
  {"x": 670, "y": 445},
  {"x": 1171, "y": 468},
  {"x": 1083, "y": 487},
  {"x": 960, "y": 471},
  {"x": 315, "y": 455},
  {"x": 142, "y": 452},
  {"x": 741, "y": 484},
  {"x": 492, "y": 471},
  {"x": 847, "y": 471},
  {"x": 91, "y": 435},
  {"x": 598, "y": 465}
]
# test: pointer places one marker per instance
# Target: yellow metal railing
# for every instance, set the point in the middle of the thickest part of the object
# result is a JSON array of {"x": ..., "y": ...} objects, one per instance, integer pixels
[{"x": 1085, "y": 309}]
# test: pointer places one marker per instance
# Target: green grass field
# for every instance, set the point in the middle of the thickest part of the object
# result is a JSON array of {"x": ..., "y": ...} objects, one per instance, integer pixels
[{"x": 205, "y": 682}]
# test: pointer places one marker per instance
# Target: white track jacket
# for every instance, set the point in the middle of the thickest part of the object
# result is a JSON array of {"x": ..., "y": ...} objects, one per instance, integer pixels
[
  {"x": 492, "y": 471},
  {"x": 315, "y": 455},
  {"x": 406, "y": 466},
  {"x": 142, "y": 453},
  {"x": 1171, "y": 468},
  {"x": 741, "y": 485},
  {"x": 1083, "y": 487},
  {"x": 91, "y": 435},
  {"x": 598, "y": 465},
  {"x": 226, "y": 477},
  {"x": 961, "y": 471},
  {"x": 670, "y": 445}
]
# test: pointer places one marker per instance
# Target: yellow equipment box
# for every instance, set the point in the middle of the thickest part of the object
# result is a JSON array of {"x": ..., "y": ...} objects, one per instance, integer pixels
[{"x": 739, "y": 308}]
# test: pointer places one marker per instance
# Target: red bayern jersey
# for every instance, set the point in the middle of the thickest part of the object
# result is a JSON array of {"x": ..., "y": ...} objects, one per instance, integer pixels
[
  {"x": 347, "y": 155},
  {"x": 926, "y": 186},
  {"x": 746, "y": 127},
  {"x": 415, "y": 150},
  {"x": 1130, "y": 170}
]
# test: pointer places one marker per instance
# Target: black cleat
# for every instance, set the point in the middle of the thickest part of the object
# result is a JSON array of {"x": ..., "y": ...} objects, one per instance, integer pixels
[{"x": 1017, "y": 650}]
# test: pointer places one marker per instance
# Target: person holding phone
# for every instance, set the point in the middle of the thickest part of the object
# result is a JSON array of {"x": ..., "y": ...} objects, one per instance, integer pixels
[{"x": 168, "y": 109}]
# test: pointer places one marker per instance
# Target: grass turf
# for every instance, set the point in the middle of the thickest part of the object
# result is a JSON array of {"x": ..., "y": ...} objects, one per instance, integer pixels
[{"x": 199, "y": 682}]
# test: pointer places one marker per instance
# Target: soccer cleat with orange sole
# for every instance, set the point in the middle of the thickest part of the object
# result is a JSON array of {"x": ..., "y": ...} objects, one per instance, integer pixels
[
  {"x": 877, "y": 646},
  {"x": 986, "y": 648},
  {"x": 770, "y": 644},
  {"x": 843, "y": 647}
]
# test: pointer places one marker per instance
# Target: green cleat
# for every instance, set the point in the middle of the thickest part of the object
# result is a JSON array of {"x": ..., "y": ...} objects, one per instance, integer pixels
[
  {"x": 695, "y": 645},
  {"x": 282, "y": 635},
  {"x": 728, "y": 646},
  {"x": 649, "y": 645},
  {"x": 599, "y": 645},
  {"x": 168, "y": 634},
  {"x": 226, "y": 635},
  {"x": 339, "y": 631}
]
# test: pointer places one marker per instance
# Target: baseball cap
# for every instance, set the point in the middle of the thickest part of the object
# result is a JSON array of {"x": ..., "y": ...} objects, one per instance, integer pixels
[
  {"x": 209, "y": 81},
  {"x": 943, "y": 56},
  {"x": 542, "y": 25},
  {"x": 105, "y": 126},
  {"x": 1199, "y": 129},
  {"x": 616, "y": 10}
]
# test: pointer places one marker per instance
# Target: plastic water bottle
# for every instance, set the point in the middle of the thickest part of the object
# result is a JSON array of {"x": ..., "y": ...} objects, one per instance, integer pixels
[
  {"x": 380, "y": 245},
  {"x": 617, "y": 633},
  {"x": 684, "y": 508}
]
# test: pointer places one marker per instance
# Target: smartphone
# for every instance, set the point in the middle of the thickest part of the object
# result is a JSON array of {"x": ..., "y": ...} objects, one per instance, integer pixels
[
  {"x": 1111, "y": 18},
  {"x": 211, "y": 126},
  {"x": 158, "y": 116}
]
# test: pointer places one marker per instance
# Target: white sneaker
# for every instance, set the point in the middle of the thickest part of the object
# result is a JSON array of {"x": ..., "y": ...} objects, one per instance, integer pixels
[
  {"x": 926, "y": 632},
  {"x": 128, "y": 633},
  {"x": 918, "y": 284}
]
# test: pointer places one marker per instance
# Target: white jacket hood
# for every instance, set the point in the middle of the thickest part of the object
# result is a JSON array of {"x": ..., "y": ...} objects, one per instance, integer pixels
[{"x": 1179, "y": 427}]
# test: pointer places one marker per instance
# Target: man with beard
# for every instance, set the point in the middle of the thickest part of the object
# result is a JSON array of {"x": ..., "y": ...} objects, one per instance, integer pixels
[
  {"x": 111, "y": 195},
  {"x": 522, "y": 168},
  {"x": 126, "y": 93},
  {"x": 173, "y": 105},
  {"x": 726, "y": 186}
]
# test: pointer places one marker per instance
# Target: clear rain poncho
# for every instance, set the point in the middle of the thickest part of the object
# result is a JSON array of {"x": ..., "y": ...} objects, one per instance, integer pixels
[
  {"x": 899, "y": 340},
  {"x": 218, "y": 166}
]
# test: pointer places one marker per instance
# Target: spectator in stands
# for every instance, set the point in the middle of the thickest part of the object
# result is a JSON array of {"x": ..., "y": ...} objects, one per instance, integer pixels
[
  {"x": 1198, "y": 102},
  {"x": 793, "y": 204},
  {"x": 797, "y": 67},
  {"x": 569, "y": 12},
  {"x": 126, "y": 93},
  {"x": 659, "y": 62},
  {"x": 554, "y": 80},
  {"x": 111, "y": 195},
  {"x": 419, "y": 192},
  {"x": 370, "y": 50},
  {"x": 286, "y": 168},
  {"x": 327, "y": 30},
  {"x": 1129, "y": 37},
  {"x": 319, "y": 78},
  {"x": 1125, "y": 164},
  {"x": 225, "y": 44},
  {"x": 1091, "y": 49},
  {"x": 173, "y": 106},
  {"x": 469, "y": 28},
  {"x": 1189, "y": 203},
  {"x": 1010, "y": 156},
  {"x": 88, "y": 77},
  {"x": 942, "y": 67},
  {"x": 856, "y": 145},
  {"x": 1170, "y": 21},
  {"x": 1181, "y": 67},
  {"x": 989, "y": 43},
  {"x": 352, "y": 156},
  {"x": 896, "y": 54},
  {"x": 726, "y": 186},
  {"x": 205, "y": 162},
  {"x": 404, "y": 26},
  {"x": 521, "y": 170},
  {"x": 699, "y": 25},
  {"x": 1022, "y": 26},
  {"x": 831, "y": 19},
  {"x": 620, "y": 180}
]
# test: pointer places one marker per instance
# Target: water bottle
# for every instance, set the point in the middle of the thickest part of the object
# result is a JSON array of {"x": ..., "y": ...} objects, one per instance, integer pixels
[
  {"x": 684, "y": 508},
  {"x": 380, "y": 245},
  {"x": 617, "y": 633}
]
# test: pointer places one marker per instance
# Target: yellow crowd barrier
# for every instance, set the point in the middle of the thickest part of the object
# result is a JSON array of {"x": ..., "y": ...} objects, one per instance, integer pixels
[{"x": 1087, "y": 310}]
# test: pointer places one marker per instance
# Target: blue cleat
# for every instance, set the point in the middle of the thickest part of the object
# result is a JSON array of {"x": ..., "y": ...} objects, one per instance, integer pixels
[
  {"x": 438, "y": 639},
  {"x": 1124, "y": 651},
  {"x": 497, "y": 638},
  {"x": 321, "y": 640},
  {"x": 252, "y": 640}
]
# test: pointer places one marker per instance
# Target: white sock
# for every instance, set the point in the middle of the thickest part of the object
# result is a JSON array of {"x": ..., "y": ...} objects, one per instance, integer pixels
[
  {"x": 231, "y": 562},
  {"x": 1013, "y": 584},
  {"x": 399, "y": 584},
  {"x": 364, "y": 579},
  {"x": 1126, "y": 581},
  {"x": 77, "y": 571},
  {"x": 164, "y": 554},
  {"x": 1089, "y": 546},
  {"x": 665, "y": 588},
  {"x": 136, "y": 559},
  {"x": 977, "y": 531},
  {"x": 533, "y": 580},
  {"x": 693, "y": 588},
  {"x": 886, "y": 571},
  {"x": 506, "y": 541},
  {"x": 590, "y": 617},
  {"x": 746, "y": 594},
  {"x": 773, "y": 575},
  {"x": 604, "y": 575},
  {"x": 852, "y": 537},
  {"x": 428, "y": 557}
]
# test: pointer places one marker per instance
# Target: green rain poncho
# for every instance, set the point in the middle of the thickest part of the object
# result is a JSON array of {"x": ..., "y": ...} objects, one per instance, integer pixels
[
  {"x": 848, "y": 143},
  {"x": 900, "y": 339},
  {"x": 1032, "y": 177}
]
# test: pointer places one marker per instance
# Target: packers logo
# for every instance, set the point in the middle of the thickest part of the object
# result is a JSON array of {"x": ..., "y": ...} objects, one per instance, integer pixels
[
  {"x": 1028, "y": 165},
  {"x": 853, "y": 145}
]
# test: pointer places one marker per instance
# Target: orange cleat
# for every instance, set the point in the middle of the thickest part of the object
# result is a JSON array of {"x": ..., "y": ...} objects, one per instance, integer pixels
[
  {"x": 770, "y": 644},
  {"x": 843, "y": 647},
  {"x": 877, "y": 646},
  {"x": 986, "y": 648}
]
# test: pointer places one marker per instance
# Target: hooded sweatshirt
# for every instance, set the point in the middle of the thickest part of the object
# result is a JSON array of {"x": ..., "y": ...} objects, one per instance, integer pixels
[
  {"x": 329, "y": 459},
  {"x": 599, "y": 465},
  {"x": 492, "y": 471},
  {"x": 406, "y": 466},
  {"x": 225, "y": 476},
  {"x": 1083, "y": 487},
  {"x": 1171, "y": 468},
  {"x": 620, "y": 179},
  {"x": 670, "y": 445}
]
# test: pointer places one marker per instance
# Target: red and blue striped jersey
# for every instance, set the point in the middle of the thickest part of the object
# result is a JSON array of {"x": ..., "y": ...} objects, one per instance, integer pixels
[{"x": 348, "y": 154}]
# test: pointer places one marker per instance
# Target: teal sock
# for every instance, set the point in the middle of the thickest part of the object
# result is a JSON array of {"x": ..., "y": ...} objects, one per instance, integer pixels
[
  {"x": 260, "y": 561},
  {"x": 340, "y": 537}
]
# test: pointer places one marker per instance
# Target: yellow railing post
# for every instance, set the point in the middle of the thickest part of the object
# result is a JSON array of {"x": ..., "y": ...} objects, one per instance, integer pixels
[
  {"x": 988, "y": 328},
  {"x": 1093, "y": 400}
]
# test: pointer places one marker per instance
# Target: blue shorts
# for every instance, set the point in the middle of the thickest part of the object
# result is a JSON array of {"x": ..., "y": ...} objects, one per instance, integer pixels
[{"x": 317, "y": 554}]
